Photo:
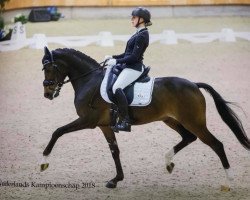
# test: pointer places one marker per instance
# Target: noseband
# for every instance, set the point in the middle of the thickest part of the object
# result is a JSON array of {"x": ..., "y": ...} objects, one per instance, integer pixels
[{"x": 47, "y": 83}]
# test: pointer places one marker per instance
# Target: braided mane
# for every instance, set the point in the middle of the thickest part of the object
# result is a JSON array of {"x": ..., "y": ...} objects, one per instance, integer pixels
[{"x": 69, "y": 53}]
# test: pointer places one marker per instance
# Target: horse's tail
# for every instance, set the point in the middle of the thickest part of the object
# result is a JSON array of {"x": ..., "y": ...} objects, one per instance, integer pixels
[{"x": 228, "y": 115}]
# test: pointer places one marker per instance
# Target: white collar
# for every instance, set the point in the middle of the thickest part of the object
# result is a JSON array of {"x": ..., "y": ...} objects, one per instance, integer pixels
[{"x": 140, "y": 28}]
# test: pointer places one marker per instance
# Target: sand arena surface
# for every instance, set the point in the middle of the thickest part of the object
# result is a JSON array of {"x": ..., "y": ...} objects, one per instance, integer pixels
[{"x": 28, "y": 120}]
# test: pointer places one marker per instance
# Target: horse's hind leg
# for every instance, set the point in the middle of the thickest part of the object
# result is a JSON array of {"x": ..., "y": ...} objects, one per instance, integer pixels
[
  {"x": 187, "y": 138},
  {"x": 206, "y": 137}
]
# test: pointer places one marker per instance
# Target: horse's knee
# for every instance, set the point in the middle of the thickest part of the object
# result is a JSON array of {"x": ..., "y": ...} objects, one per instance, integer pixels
[
  {"x": 57, "y": 133},
  {"x": 114, "y": 149}
]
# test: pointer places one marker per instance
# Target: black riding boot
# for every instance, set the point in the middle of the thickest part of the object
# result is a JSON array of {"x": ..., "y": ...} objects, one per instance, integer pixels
[{"x": 122, "y": 104}]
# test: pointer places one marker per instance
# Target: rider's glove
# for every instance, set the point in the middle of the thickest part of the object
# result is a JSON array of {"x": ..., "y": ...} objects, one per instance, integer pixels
[
  {"x": 107, "y": 57},
  {"x": 111, "y": 62}
]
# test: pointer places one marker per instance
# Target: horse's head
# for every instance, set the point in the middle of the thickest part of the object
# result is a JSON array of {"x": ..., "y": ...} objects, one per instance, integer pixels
[{"x": 54, "y": 76}]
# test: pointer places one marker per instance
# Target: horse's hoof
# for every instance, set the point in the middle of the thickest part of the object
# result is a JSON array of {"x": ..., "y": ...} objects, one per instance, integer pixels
[
  {"x": 111, "y": 184},
  {"x": 170, "y": 167},
  {"x": 44, "y": 167},
  {"x": 225, "y": 188}
]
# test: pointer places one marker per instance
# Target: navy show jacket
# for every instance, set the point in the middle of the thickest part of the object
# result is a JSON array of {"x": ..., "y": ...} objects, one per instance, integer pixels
[{"x": 135, "y": 48}]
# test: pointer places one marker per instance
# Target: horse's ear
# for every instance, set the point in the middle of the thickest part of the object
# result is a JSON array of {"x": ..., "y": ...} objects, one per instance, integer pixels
[
  {"x": 48, "y": 54},
  {"x": 46, "y": 51}
]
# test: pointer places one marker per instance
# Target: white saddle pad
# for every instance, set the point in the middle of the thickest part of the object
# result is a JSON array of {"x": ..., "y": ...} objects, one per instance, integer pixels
[{"x": 142, "y": 91}]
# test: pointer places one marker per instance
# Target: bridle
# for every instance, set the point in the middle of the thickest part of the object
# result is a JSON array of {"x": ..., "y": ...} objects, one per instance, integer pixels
[{"x": 59, "y": 84}]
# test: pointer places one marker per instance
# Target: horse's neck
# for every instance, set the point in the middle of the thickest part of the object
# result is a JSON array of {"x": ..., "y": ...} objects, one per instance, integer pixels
[
  {"x": 87, "y": 88},
  {"x": 77, "y": 72}
]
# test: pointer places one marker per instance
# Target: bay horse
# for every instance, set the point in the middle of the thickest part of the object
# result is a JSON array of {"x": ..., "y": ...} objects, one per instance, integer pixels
[{"x": 177, "y": 102}]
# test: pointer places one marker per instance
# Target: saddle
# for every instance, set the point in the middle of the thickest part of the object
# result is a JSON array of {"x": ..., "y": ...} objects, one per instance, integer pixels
[
  {"x": 138, "y": 93},
  {"x": 129, "y": 90}
]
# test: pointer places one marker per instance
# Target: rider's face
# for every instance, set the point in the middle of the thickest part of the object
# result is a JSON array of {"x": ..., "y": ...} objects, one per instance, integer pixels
[{"x": 134, "y": 20}]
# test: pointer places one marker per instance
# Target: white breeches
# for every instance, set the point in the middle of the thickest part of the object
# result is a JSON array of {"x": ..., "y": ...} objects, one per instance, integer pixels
[{"x": 126, "y": 77}]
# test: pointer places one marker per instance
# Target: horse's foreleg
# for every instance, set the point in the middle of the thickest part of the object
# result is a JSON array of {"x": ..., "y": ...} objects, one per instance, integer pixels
[
  {"x": 73, "y": 126},
  {"x": 187, "y": 138},
  {"x": 110, "y": 137}
]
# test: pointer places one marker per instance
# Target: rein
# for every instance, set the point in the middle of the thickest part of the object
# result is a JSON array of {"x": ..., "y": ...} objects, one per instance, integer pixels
[{"x": 85, "y": 74}]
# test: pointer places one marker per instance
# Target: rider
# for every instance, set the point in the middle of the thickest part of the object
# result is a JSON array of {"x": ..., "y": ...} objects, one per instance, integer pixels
[{"x": 131, "y": 63}]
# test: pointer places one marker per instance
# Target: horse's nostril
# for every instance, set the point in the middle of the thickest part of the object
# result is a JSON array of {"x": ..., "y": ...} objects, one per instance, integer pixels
[{"x": 46, "y": 95}]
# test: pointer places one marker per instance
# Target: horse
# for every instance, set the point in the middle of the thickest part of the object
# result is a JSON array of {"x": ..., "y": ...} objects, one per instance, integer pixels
[{"x": 177, "y": 102}]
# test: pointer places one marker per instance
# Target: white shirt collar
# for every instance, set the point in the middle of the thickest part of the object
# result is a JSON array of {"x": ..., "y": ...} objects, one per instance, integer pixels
[{"x": 140, "y": 28}]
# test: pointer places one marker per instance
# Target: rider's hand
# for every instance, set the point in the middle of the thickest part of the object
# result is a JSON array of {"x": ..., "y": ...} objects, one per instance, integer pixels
[
  {"x": 111, "y": 62},
  {"x": 107, "y": 57}
]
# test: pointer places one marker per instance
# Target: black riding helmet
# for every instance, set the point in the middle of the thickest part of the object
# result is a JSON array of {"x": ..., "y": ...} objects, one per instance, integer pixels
[{"x": 144, "y": 14}]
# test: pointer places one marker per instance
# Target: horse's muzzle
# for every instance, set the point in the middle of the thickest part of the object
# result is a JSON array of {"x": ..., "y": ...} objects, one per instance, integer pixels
[{"x": 48, "y": 96}]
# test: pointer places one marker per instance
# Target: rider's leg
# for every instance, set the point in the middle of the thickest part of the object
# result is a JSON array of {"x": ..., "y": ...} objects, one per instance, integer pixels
[
  {"x": 122, "y": 104},
  {"x": 126, "y": 77}
]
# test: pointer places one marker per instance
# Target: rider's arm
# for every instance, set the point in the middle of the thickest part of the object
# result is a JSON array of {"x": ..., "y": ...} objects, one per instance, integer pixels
[
  {"x": 118, "y": 56},
  {"x": 137, "y": 52}
]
